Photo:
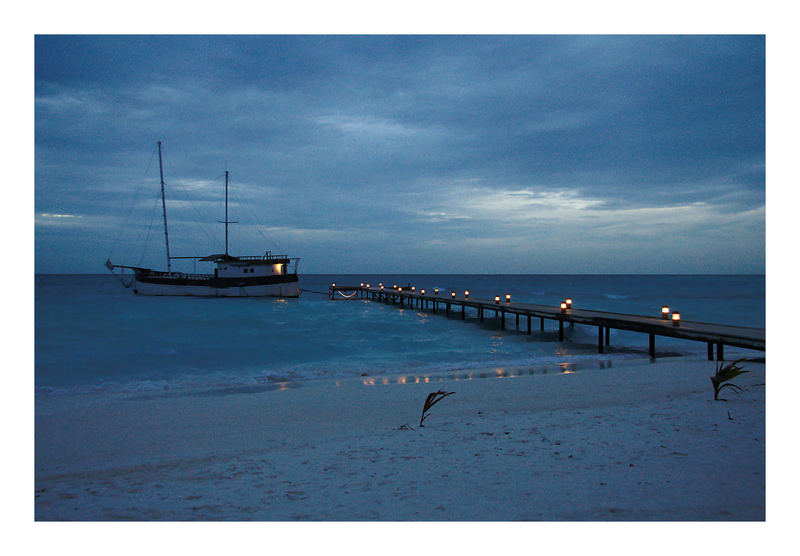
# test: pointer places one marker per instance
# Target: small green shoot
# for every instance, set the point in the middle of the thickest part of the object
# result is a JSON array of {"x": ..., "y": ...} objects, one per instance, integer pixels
[
  {"x": 723, "y": 374},
  {"x": 432, "y": 399}
]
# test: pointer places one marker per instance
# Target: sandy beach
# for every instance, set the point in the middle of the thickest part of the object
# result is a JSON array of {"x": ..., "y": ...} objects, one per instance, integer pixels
[{"x": 637, "y": 441}]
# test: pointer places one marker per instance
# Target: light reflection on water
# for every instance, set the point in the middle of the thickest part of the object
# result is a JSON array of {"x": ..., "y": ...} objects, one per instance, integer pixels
[{"x": 498, "y": 372}]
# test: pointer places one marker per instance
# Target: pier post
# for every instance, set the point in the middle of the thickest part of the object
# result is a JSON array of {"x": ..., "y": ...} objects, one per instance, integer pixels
[{"x": 709, "y": 333}]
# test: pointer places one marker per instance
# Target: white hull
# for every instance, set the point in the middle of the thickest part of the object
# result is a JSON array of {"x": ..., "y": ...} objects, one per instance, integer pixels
[{"x": 290, "y": 289}]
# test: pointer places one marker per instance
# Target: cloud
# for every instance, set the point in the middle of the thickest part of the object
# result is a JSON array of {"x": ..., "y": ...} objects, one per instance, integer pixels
[{"x": 468, "y": 139}]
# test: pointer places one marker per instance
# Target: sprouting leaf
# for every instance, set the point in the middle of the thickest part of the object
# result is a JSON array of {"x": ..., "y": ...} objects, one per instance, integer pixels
[
  {"x": 432, "y": 399},
  {"x": 724, "y": 373}
]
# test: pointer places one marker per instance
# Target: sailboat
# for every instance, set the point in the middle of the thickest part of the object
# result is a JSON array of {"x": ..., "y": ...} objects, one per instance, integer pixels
[{"x": 265, "y": 275}]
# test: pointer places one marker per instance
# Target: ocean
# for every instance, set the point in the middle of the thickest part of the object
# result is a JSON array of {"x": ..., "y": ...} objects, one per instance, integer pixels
[{"x": 92, "y": 336}]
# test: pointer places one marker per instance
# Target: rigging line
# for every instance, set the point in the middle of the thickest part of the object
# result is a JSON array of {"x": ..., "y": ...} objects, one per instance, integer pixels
[
  {"x": 142, "y": 231},
  {"x": 253, "y": 217},
  {"x": 200, "y": 217},
  {"x": 132, "y": 203},
  {"x": 149, "y": 229}
]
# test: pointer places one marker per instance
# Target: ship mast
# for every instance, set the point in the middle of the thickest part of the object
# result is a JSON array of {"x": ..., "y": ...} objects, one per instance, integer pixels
[
  {"x": 164, "y": 208},
  {"x": 226, "y": 221}
]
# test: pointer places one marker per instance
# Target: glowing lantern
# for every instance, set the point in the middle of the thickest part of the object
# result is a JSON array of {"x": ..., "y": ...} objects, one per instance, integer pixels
[
  {"x": 665, "y": 312},
  {"x": 568, "y": 301},
  {"x": 563, "y": 306},
  {"x": 676, "y": 318},
  {"x": 422, "y": 292},
  {"x": 497, "y": 299},
  {"x": 466, "y": 294},
  {"x": 436, "y": 291},
  {"x": 508, "y": 298},
  {"x": 453, "y": 295}
]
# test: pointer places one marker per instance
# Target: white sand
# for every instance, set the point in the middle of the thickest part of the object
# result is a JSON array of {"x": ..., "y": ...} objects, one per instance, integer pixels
[{"x": 634, "y": 442}]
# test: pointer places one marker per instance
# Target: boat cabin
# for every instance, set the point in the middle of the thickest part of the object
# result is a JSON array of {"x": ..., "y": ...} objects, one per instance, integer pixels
[{"x": 228, "y": 266}]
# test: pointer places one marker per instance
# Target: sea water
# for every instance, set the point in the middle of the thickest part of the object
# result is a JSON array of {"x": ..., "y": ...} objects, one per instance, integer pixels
[{"x": 93, "y": 335}]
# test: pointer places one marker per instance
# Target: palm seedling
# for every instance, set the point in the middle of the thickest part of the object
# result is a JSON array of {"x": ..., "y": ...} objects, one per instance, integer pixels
[
  {"x": 725, "y": 373},
  {"x": 432, "y": 399}
]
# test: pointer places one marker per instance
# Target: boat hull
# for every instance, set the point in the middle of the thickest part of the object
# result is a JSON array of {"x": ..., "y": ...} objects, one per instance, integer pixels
[{"x": 214, "y": 288}]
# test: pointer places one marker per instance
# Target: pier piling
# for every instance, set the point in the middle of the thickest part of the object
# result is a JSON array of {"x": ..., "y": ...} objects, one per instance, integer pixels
[{"x": 711, "y": 334}]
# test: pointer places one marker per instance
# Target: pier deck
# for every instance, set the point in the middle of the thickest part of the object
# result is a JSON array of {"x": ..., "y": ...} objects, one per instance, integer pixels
[{"x": 718, "y": 335}]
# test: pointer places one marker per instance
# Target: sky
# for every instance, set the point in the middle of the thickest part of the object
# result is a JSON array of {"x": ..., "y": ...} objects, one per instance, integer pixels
[{"x": 404, "y": 153}]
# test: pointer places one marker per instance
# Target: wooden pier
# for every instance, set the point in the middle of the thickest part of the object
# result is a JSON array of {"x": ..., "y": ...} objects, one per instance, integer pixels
[{"x": 714, "y": 335}]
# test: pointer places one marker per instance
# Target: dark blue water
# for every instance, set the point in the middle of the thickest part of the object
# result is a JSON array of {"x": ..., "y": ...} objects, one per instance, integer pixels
[{"x": 91, "y": 334}]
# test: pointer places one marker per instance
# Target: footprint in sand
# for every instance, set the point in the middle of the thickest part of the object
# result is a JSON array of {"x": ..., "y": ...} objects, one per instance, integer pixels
[{"x": 296, "y": 495}]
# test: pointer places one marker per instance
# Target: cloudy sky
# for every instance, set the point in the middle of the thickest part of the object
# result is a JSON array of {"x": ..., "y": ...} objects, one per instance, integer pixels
[{"x": 393, "y": 154}]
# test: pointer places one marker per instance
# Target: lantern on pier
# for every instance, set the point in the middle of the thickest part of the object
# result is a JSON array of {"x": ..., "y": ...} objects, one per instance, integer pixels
[
  {"x": 676, "y": 318},
  {"x": 333, "y": 285},
  {"x": 422, "y": 292},
  {"x": 453, "y": 295},
  {"x": 381, "y": 286},
  {"x": 497, "y": 299},
  {"x": 508, "y": 298},
  {"x": 568, "y": 301},
  {"x": 413, "y": 289},
  {"x": 665, "y": 312},
  {"x": 466, "y": 294},
  {"x": 435, "y": 291},
  {"x": 362, "y": 284},
  {"x": 563, "y": 306}
]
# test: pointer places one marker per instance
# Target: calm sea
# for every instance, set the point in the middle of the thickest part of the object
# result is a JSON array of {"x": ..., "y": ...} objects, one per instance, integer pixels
[{"x": 92, "y": 335}]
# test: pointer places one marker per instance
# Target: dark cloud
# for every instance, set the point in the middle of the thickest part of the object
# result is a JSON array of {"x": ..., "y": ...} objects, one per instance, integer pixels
[{"x": 463, "y": 144}]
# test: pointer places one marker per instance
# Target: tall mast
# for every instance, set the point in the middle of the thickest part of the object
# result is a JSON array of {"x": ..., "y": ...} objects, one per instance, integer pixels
[
  {"x": 164, "y": 208},
  {"x": 226, "y": 221},
  {"x": 226, "y": 213}
]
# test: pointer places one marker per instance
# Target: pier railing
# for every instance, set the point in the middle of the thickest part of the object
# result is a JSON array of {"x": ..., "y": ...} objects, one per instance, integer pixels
[{"x": 667, "y": 324}]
